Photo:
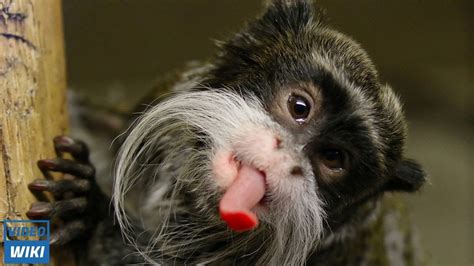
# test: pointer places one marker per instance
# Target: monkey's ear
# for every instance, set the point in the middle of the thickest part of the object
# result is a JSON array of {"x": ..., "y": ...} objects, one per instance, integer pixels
[{"x": 408, "y": 176}]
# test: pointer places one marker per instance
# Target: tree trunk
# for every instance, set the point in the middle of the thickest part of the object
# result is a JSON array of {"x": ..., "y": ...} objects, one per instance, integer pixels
[{"x": 32, "y": 95}]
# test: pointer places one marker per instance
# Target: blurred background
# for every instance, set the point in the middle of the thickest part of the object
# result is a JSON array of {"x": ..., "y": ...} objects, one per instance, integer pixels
[{"x": 116, "y": 49}]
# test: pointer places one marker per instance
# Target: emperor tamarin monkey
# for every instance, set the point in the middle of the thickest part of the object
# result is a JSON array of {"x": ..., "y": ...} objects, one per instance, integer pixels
[{"x": 280, "y": 151}]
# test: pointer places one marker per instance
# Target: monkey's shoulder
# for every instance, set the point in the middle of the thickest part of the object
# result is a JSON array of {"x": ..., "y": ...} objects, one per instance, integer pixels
[
  {"x": 392, "y": 239},
  {"x": 386, "y": 236}
]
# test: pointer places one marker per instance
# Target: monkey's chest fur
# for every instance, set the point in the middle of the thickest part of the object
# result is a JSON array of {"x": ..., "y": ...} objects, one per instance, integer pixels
[{"x": 381, "y": 234}]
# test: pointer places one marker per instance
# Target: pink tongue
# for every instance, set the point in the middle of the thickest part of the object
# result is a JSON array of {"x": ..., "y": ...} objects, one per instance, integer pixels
[{"x": 244, "y": 193}]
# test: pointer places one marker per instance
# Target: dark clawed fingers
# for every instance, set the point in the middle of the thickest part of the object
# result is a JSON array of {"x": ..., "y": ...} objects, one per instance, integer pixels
[
  {"x": 80, "y": 186},
  {"x": 63, "y": 208},
  {"x": 66, "y": 166},
  {"x": 72, "y": 194},
  {"x": 70, "y": 231}
]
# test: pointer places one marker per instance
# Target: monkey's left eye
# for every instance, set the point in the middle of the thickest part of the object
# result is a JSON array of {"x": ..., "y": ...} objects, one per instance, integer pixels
[
  {"x": 333, "y": 159},
  {"x": 299, "y": 107}
]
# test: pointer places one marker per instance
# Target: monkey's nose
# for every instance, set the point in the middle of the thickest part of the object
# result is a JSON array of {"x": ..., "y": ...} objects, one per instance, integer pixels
[
  {"x": 277, "y": 144},
  {"x": 297, "y": 171}
]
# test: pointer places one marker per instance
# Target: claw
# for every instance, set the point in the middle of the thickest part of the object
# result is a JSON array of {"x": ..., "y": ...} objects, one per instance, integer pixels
[
  {"x": 76, "y": 148},
  {"x": 63, "y": 141},
  {"x": 37, "y": 190},
  {"x": 40, "y": 210},
  {"x": 40, "y": 185},
  {"x": 45, "y": 166},
  {"x": 68, "y": 167},
  {"x": 62, "y": 208},
  {"x": 61, "y": 186}
]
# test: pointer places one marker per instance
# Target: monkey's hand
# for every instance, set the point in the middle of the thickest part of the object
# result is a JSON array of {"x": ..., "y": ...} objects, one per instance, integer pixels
[{"x": 78, "y": 203}]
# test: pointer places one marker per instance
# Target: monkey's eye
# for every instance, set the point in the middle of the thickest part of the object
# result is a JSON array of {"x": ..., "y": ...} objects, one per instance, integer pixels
[
  {"x": 299, "y": 107},
  {"x": 333, "y": 159}
]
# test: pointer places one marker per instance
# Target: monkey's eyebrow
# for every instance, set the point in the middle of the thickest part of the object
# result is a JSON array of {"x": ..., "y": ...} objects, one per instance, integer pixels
[{"x": 331, "y": 91}]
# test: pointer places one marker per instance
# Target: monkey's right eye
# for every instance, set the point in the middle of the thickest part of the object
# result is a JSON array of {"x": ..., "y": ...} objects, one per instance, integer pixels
[{"x": 299, "y": 107}]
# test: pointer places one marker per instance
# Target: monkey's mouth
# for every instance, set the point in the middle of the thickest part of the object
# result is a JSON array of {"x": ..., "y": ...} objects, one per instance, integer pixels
[
  {"x": 249, "y": 171},
  {"x": 247, "y": 192},
  {"x": 266, "y": 195}
]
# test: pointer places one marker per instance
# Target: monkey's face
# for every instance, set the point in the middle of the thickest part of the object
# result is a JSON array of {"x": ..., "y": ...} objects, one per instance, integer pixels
[{"x": 320, "y": 87}]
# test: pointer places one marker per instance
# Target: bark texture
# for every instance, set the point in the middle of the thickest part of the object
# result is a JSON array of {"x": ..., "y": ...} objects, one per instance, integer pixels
[{"x": 32, "y": 97}]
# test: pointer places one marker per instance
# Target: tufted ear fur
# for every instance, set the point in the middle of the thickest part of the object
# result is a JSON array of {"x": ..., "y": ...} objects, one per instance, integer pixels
[
  {"x": 289, "y": 3},
  {"x": 289, "y": 15},
  {"x": 408, "y": 176}
]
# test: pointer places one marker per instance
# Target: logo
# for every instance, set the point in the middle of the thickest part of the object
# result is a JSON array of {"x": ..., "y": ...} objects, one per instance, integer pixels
[{"x": 26, "y": 241}]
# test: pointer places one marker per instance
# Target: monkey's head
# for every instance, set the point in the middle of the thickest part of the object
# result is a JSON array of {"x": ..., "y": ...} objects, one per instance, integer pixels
[{"x": 289, "y": 126}]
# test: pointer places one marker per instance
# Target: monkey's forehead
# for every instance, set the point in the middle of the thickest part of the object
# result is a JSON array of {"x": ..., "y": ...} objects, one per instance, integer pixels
[{"x": 288, "y": 45}]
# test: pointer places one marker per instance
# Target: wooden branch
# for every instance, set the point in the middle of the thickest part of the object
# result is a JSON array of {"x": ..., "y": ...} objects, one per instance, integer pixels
[{"x": 32, "y": 95}]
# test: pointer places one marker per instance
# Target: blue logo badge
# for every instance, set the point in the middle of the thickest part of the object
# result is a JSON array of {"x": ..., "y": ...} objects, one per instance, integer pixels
[{"x": 26, "y": 241}]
